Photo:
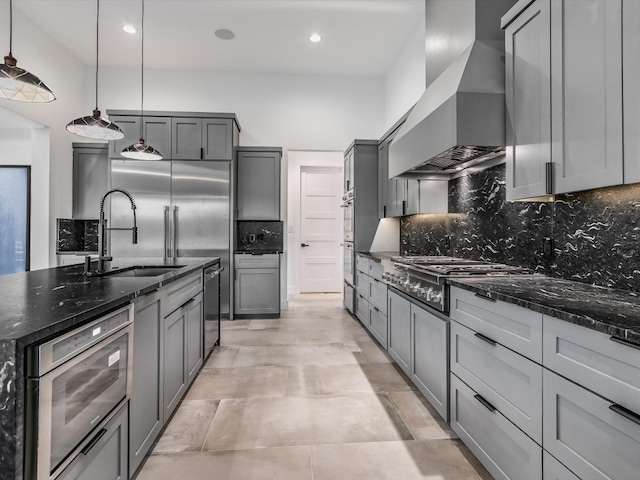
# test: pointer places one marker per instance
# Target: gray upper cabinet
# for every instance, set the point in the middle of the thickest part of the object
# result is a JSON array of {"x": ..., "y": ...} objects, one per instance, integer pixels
[
  {"x": 631, "y": 89},
  {"x": 383, "y": 179},
  {"x": 90, "y": 178},
  {"x": 258, "y": 184},
  {"x": 156, "y": 132},
  {"x": 586, "y": 89},
  {"x": 564, "y": 96},
  {"x": 217, "y": 139},
  {"x": 528, "y": 94},
  {"x": 186, "y": 141},
  {"x": 349, "y": 166}
]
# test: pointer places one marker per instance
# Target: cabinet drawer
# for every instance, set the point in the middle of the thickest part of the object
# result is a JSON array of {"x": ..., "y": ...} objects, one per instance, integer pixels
[
  {"x": 587, "y": 436},
  {"x": 510, "y": 382},
  {"x": 257, "y": 261},
  {"x": 181, "y": 291},
  {"x": 378, "y": 295},
  {"x": 362, "y": 264},
  {"x": 348, "y": 297},
  {"x": 362, "y": 284},
  {"x": 517, "y": 328},
  {"x": 362, "y": 309},
  {"x": 378, "y": 325},
  {"x": 592, "y": 360},
  {"x": 375, "y": 269},
  {"x": 501, "y": 447},
  {"x": 552, "y": 469}
]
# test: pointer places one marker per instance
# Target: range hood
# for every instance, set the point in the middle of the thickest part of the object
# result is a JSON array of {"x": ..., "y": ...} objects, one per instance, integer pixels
[{"x": 459, "y": 121}]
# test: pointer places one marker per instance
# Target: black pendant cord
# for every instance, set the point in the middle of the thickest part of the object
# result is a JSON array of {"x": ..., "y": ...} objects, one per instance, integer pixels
[
  {"x": 142, "y": 76},
  {"x": 97, "y": 46},
  {"x": 10, "y": 27}
]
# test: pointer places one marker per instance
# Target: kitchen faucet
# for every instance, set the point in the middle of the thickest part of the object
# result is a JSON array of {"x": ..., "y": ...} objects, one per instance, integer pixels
[{"x": 103, "y": 244}]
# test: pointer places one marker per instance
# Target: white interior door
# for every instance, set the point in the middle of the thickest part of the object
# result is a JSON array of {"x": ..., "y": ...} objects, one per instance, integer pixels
[{"x": 321, "y": 229}]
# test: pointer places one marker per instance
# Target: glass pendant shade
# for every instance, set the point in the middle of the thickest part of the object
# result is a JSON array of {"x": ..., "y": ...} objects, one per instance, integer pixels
[
  {"x": 94, "y": 126},
  {"x": 22, "y": 86},
  {"x": 141, "y": 151}
]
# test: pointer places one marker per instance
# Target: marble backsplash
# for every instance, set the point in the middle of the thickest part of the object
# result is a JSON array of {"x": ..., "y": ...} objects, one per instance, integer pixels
[{"x": 595, "y": 234}]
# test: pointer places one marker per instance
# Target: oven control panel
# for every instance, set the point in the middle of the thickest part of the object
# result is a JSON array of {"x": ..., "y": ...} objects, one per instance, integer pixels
[{"x": 426, "y": 292}]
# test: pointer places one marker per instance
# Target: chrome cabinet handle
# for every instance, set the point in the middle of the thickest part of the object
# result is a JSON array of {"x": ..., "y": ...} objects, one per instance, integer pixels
[
  {"x": 174, "y": 252},
  {"x": 626, "y": 413},
  {"x": 167, "y": 234}
]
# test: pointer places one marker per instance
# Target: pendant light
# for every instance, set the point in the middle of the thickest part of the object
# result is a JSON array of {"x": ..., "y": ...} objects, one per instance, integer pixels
[
  {"x": 140, "y": 150},
  {"x": 93, "y": 126},
  {"x": 18, "y": 84}
]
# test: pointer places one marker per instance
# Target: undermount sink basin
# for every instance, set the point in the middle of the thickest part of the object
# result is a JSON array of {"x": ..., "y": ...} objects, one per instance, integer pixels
[{"x": 145, "y": 271}]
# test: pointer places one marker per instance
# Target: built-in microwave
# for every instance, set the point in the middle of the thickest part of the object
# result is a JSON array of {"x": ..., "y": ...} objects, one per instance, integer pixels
[{"x": 75, "y": 382}]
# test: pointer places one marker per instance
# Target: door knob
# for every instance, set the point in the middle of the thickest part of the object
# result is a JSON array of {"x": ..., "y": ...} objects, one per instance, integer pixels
[{"x": 304, "y": 244}]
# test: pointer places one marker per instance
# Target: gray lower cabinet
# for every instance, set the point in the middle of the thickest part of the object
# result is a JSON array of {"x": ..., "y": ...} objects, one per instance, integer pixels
[
  {"x": 399, "y": 340},
  {"x": 378, "y": 325},
  {"x": 174, "y": 381},
  {"x": 589, "y": 434},
  {"x": 552, "y": 469},
  {"x": 362, "y": 310},
  {"x": 107, "y": 458},
  {"x": 257, "y": 285},
  {"x": 348, "y": 297},
  {"x": 146, "y": 416},
  {"x": 194, "y": 347},
  {"x": 505, "y": 451},
  {"x": 429, "y": 357}
]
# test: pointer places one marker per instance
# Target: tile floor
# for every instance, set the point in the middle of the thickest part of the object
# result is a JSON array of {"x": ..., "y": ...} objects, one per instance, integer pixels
[{"x": 308, "y": 396}]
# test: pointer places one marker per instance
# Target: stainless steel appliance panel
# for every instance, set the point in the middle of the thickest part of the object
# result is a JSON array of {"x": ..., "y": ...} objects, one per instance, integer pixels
[
  {"x": 211, "y": 308},
  {"x": 349, "y": 220},
  {"x": 349, "y": 262},
  {"x": 150, "y": 185}
]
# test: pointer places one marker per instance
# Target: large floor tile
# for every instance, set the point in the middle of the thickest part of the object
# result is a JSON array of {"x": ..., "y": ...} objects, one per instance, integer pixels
[
  {"x": 260, "y": 337},
  {"x": 247, "y": 382},
  {"x": 222, "y": 357},
  {"x": 332, "y": 379},
  {"x": 413, "y": 460},
  {"x": 290, "y": 463},
  {"x": 371, "y": 351},
  {"x": 188, "y": 427},
  {"x": 274, "y": 422},
  {"x": 312, "y": 354},
  {"x": 420, "y": 417}
]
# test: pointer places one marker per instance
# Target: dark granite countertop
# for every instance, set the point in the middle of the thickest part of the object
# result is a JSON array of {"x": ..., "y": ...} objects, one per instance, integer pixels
[
  {"x": 258, "y": 252},
  {"x": 41, "y": 303},
  {"x": 607, "y": 310},
  {"x": 379, "y": 256}
]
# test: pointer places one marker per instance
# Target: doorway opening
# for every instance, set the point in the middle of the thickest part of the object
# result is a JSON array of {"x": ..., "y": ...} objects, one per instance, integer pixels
[{"x": 15, "y": 213}]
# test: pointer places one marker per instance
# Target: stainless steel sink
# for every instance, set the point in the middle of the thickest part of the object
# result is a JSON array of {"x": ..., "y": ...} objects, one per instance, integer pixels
[{"x": 143, "y": 271}]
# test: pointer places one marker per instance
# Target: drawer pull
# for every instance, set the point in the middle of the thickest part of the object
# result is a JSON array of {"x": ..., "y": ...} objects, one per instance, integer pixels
[
  {"x": 626, "y": 413},
  {"x": 622, "y": 341},
  {"x": 376, "y": 310},
  {"x": 89, "y": 446},
  {"x": 485, "y": 297},
  {"x": 485, "y": 403},
  {"x": 485, "y": 339}
]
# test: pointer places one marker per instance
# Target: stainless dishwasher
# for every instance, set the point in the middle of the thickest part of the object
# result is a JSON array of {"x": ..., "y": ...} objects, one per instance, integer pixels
[
  {"x": 211, "y": 308},
  {"x": 76, "y": 383}
]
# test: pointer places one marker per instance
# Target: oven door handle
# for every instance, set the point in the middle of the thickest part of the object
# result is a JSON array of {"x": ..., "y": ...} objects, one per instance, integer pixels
[{"x": 94, "y": 441}]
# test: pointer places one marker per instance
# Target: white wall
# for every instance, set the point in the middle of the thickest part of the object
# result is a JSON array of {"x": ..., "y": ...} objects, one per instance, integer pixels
[
  {"x": 51, "y": 151},
  {"x": 406, "y": 80}
]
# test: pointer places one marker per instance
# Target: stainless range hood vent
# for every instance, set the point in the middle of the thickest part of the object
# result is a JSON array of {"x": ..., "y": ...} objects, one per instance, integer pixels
[{"x": 460, "y": 119}]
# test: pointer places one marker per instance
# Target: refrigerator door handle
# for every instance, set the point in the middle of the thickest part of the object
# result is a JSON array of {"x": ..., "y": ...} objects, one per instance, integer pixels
[
  {"x": 174, "y": 249},
  {"x": 167, "y": 238}
]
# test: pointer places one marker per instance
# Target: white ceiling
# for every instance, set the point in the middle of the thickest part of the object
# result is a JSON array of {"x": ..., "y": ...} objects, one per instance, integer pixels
[{"x": 360, "y": 37}]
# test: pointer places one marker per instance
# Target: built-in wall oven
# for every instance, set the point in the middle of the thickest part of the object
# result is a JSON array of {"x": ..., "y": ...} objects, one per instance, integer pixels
[{"x": 76, "y": 383}]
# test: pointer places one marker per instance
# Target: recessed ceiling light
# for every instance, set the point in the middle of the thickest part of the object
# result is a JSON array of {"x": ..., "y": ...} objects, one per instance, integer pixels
[
  {"x": 129, "y": 29},
  {"x": 315, "y": 38},
  {"x": 224, "y": 34}
]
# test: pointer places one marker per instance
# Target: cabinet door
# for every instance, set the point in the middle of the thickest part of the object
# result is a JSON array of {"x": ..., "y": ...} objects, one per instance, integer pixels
[
  {"x": 348, "y": 297},
  {"x": 383, "y": 179},
  {"x": 349, "y": 169},
  {"x": 90, "y": 180},
  {"x": 378, "y": 325},
  {"x": 429, "y": 347},
  {"x": 528, "y": 95},
  {"x": 174, "y": 368},
  {"x": 194, "y": 337},
  {"x": 217, "y": 139},
  {"x": 586, "y": 88},
  {"x": 586, "y": 434},
  {"x": 258, "y": 192},
  {"x": 107, "y": 458},
  {"x": 412, "y": 197},
  {"x": 145, "y": 404},
  {"x": 257, "y": 291},
  {"x": 552, "y": 469},
  {"x": 157, "y": 133},
  {"x": 186, "y": 138},
  {"x": 131, "y": 128},
  {"x": 631, "y": 89},
  {"x": 399, "y": 339},
  {"x": 362, "y": 310}
]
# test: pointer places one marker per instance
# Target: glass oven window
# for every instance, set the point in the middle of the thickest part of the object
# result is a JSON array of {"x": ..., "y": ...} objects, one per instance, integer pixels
[{"x": 84, "y": 394}]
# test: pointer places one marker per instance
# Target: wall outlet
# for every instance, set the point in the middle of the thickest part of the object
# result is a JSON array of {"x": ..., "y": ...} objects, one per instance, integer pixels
[
  {"x": 547, "y": 248},
  {"x": 447, "y": 241}
]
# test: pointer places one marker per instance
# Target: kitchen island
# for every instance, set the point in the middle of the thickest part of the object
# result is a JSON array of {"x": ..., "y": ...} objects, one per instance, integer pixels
[{"x": 43, "y": 304}]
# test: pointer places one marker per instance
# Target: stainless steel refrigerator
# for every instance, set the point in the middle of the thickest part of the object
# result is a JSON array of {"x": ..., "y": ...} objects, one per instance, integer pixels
[{"x": 183, "y": 210}]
